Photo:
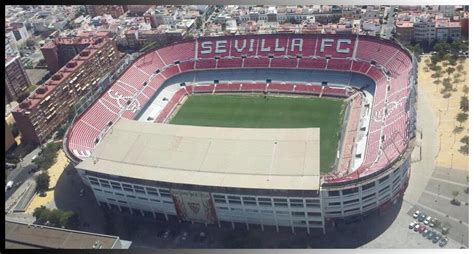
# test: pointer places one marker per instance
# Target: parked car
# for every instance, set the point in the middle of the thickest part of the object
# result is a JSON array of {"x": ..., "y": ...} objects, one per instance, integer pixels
[
  {"x": 81, "y": 192},
  {"x": 415, "y": 215},
  {"x": 443, "y": 242},
  {"x": 427, "y": 220},
  {"x": 417, "y": 227},
  {"x": 434, "y": 222},
  {"x": 421, "y": 217},
  {"x": 425, "y": 232},
  {"x": 421, "y": 229},
  {"x": 430, "y": 235},
  {"x": 412, "y": 224},
  {"x": 444, "y": 230},
  {"x": 436, "y": 238}
]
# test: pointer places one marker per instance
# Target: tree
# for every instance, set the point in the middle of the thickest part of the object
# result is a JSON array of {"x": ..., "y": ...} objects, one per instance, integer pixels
[
  {"x": 41, "y": 214},
  {"x": 48, "y": 156},
  {"x": 450, "y": 70},
  {"x": 42, "y": 181},
  {"x": 464, "y": 104},
  {"x": 69, "y": 220},
  {"x": 465, "y": 147},
  {"x": 461, "y": 117},
  {"x": 459, "y": 68},
  {"x": 55, "y": 218},
  {"x": 447, "y": 85}
]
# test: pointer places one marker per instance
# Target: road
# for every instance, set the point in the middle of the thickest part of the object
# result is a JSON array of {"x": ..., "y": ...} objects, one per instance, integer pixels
[{"x": 21, "y": 172}]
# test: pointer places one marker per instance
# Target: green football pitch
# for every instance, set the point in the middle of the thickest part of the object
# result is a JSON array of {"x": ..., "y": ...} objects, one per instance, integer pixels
[{"x": 251, "y": 111}]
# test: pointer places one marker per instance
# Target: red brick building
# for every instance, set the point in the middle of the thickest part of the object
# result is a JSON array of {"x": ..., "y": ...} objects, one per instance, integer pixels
[{"x": 47, "y": 108}]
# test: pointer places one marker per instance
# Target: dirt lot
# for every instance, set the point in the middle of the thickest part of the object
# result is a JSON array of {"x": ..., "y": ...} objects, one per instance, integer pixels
[{"x": 446, "y": 110}]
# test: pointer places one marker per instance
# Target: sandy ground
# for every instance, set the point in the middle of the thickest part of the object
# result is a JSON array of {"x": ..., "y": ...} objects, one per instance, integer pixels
[
  {"x": 446, "y": 111},
  {"x": 55, "y": 172}
]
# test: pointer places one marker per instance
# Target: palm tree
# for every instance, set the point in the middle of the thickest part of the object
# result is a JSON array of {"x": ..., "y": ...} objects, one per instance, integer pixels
[
  {"x": 450, "y": 70},
  {"x": 461, "y": 118}
]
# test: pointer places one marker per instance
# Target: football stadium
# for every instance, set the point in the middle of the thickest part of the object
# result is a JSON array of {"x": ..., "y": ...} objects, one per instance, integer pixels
[{"x": 282, "y": 130}]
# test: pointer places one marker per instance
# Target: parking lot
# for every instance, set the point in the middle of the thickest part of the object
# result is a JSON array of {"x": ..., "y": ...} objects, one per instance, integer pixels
[{"x": 436, "y": 201}]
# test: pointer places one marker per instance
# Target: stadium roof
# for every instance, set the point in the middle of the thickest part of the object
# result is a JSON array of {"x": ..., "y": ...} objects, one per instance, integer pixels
[
  {"x": 210, "y": 156},
  {"x": 19, "y": 235}
]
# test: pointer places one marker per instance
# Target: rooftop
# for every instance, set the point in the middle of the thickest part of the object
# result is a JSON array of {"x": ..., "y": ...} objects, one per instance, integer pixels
[
  {"x": 211, "y": 156},
  {"x": 23, "y": 236}
]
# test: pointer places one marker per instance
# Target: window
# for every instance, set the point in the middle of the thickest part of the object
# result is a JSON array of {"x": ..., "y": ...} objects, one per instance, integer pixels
[
  {"x": 283, "y": 212},
  {"x": 314, "y": 214},
  {"x": 97, "y": 189},
  {"x": 333, "y": 193},
  {"x": 111, "y": 199},
  {"x": 127, "y": 188},
  {"x": 165, "y": 193},
  {"x": 280, "y": 202},
  {"x": 298, "y": 214},
  {"x": 249, "y": 200},
  {"x": 384, "y": 179},
  {"x": 368, "y": 186},
  {"x": 296, "y": 203},
  {"x": 350, "y": 191},
  {"x": 131, "y": 196},
  {"x": 219, "y": 196},
  {"x": 116, "y": 185},
  {"x": 351, "y": 201},
  {"x": 351, "y": 210},
  {"x": 121, "y": 201},
  {"x": 368, "y": 196},
  {"x": 152, "y": 192},
  {"x": 234, "y": 200},
  {"x": 119, "y": 194},
  {"x": 106, "y": 185},
  {"x": 334, "y": 203},
  {"x": 167, "y": 202},
  {"x": 264, "y": 201},
  {"x": 312, "y": 203},
  {"x": 384, "y": 189},
  {"x": 155, "y": 200},
  {"x": 142, "y": 198},
  {"x": 108, "y": 192},
  {"x": 220, "y": 200},
  {"x": 365, "y": 206}
]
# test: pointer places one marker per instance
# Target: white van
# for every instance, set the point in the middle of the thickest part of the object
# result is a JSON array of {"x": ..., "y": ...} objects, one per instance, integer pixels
[{"x": 9, "y": 185}]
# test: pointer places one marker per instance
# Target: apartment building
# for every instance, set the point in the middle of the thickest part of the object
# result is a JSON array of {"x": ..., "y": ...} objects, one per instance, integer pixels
[
  {"x": 16, "y": 79},
  {"x": 47, "y": 108}
]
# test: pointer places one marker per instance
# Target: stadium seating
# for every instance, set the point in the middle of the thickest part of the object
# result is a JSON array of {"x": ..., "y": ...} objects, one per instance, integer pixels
[
  {"x": 312, "y": 63},
  {"x": 283, "y": 62},
  {"x": 186, "y": 66},
  {"x": 253, "y": 87},
  {"x": 170, "y": 71},
  {"x": 339, "y": 64},
  {"x": 282, "y": 88},
  {"x": 177, "y": 52},
  {"x": 206, "y": 64},
  {"x": 308, "y": 89},
  {"x": 262, "y": 62},
  {"x": 360, "y": 67},
  {"x": 229, "y": 63}
]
